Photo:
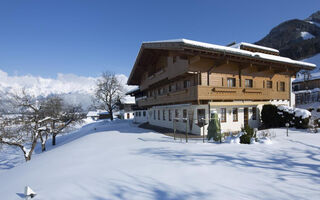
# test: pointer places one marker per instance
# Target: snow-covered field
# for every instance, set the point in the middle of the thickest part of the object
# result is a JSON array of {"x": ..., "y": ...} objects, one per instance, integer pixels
[{"x": 118, "y": 160}]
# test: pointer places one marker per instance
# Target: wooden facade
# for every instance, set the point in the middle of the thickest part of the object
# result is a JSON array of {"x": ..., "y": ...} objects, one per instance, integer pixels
[
  {"x": 189, "y": 80},
  {"x": 170, "y": 73}
]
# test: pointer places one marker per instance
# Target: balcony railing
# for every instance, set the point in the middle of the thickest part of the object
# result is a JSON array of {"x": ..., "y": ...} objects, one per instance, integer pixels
[{"x": 199, "y": 92}]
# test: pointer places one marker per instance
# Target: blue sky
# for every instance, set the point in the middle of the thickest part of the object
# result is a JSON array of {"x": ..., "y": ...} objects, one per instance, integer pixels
[{"x": 43, "y": 37}]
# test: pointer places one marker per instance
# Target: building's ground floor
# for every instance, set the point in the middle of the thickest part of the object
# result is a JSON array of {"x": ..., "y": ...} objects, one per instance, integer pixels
[{"x": 186, "y": 117}]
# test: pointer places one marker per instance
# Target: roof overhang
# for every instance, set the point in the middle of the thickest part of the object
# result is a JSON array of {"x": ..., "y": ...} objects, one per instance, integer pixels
[{"x": 183, "y": 44}]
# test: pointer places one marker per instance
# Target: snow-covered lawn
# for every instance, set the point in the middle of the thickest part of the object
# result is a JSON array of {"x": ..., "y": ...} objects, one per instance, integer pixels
[{"x": 117, "y": 160}]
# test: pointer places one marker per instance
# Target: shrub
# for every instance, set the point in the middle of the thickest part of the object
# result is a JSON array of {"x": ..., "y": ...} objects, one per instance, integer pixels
[
  {"x": 310, "y": 109},
  {"x": 301, "y": 123},
  {"x": 317, "y": 122},
  {"x": 246, "y": 138},
  {"x": 273, "y": 116},
  {"x": 269, "y": 115}
]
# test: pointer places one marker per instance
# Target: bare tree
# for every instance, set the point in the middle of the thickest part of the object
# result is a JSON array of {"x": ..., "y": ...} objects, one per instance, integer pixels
[
  {"x": 35, "y": 119},
  {"x": 56, "y": 116},
  {"x": 109, "y": 92},
  {"x": 22, "y": 128}
]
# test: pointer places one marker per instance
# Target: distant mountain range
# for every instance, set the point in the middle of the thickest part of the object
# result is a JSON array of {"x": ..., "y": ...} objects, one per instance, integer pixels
[
  {"x": 76, "y": 90},
  {"x": 296, "y": 39}
]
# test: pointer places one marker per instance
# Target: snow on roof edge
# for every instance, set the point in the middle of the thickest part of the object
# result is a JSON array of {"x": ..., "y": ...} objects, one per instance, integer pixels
[
  {"x": 255, "y": 46},
  {"x": 235, "y": 51}
]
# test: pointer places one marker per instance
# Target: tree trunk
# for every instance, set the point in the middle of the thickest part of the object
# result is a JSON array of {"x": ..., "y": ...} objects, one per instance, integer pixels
[
  {"x": 43, "y": 147},
  {"x": 54, "y": 139},
  {"x": 111, "y": 115},
  {"x": 53, "y": 134},
  {"x": 27, "y": 158}
]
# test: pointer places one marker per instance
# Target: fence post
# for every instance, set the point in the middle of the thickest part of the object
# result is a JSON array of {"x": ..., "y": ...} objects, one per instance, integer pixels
[
  {"x": 174, "y": 129},
  {"x": 187, "y": 130}
]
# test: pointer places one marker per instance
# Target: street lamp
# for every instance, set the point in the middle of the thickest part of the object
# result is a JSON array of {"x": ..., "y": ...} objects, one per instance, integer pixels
[{"x": 287, "y": 125}]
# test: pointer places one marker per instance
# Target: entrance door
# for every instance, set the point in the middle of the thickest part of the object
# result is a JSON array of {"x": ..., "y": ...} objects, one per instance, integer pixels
[{"x": 246, "y": 118}]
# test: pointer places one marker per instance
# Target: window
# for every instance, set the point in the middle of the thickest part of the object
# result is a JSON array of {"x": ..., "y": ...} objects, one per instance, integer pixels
[
  {"x": 176, "y": 113},
  {"x": 248, "y": 83},
  {"x": 223, "y": 115},
  {"x": 184, "y": 115},
  {"x": 170, "y": 117},
  {"x": 160, "y": 91},
  {"x": 282, "y": 87},
  {"x": 235, "y": 114},
  {"x": 163, "y": 114},
  {"x": 172, "y": 88},
  {"x": 254, "y": 113},
  {"x": 201, "y": 113},
  {"x": 144, "y": 113},
  {"x": 231, "y": 82},
  {"x": 186, "y": 83},
  {"x": 154, "y": 114},
  {"x": 269, "y": 84},
  {"x": 158, "y": 114}
]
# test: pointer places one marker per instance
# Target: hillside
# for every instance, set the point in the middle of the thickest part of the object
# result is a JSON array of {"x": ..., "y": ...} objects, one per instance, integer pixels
[
  {"x": 296, "y": 39},
  {"x": 118, "y": 160}
]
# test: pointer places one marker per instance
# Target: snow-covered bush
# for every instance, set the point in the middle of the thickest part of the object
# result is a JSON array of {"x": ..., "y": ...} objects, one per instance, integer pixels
[
  {"x": 273, "y": 116},
  {"x": 270, "y": 117}
]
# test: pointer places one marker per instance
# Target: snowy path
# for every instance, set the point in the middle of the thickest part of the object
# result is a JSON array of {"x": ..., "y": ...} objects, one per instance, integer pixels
[{"x": 120, "y": 161}]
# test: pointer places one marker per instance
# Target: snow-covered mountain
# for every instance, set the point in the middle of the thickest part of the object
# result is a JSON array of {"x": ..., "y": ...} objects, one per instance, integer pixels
[
  {"x": 74, "y": 89},
  {"x": 297, "y": 39}
]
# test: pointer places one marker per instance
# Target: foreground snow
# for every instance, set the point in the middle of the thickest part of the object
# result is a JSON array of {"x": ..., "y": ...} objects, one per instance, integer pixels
[{"x": 120, "y": 161}]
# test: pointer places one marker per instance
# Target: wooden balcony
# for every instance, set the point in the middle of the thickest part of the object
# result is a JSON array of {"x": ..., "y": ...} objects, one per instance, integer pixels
[
  {"x": 185, "y": 95},
  {"x": 199, "y": 92},
  {"x": 236, "y": 93}
]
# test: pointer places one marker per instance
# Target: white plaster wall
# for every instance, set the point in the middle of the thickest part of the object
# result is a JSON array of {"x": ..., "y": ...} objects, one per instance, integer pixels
[
  {"x": 180, "y": 124},
  {"x": 141, "y": 118},
  {"x": 125, "y": 115},
  {"x": 230, "y": 125}
]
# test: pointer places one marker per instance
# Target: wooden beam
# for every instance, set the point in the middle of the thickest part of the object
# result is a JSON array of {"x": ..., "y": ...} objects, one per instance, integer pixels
[{"x": 194, "y": 59}]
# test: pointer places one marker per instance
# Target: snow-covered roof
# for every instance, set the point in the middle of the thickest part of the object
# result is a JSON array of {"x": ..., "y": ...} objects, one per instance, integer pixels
[
  {"x": 97, "y": 113},
  {"x": 92, "y": 114},
  {"x": 103, "y": 113},
  {"x": 314, "y": 76},
  {"x": 236, "y": 51},
  {"x": 238, "y": 45},
  {"x": 134, "y": 88},
  {"x": 307, "y": 91},
  {"x": 128, "y": 100}
]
